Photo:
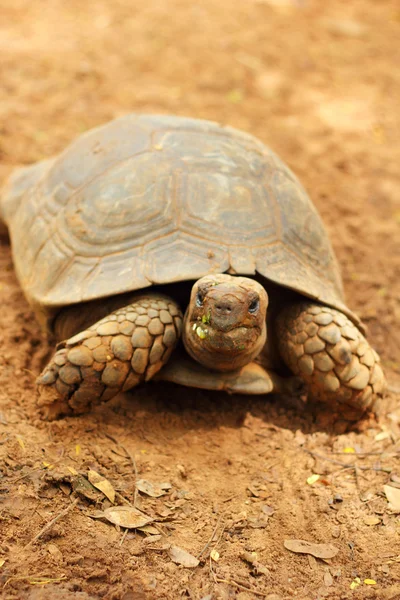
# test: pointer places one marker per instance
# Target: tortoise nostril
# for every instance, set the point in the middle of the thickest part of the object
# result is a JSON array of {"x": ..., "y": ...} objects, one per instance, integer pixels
[{"x": 223, "y": 307}]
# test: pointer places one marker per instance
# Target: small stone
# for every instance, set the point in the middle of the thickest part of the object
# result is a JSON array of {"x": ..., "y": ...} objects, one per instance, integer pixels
[
  {"x": 126, "y": 327},
  {"x": 323, "y": 362},
  {"x": 109, "y": 328},
  {"x": 70, "y": 375},
  {"x": 307, "y": 318},
  {"x": 141, "y": 338},
  {"x": 79, "y": 337},
  {"x": 347, "y": 372},
  {"x": 341, "y": 352},
  {"x": 314, "y": 345},
  {"x": 323, "y": 319},
  {"x": 131, "y": 317},
  {"x": 140, "y": 310},
  {"x": 306, "y": 364},
  {"x": 330, "y": 333},
  {"x": 80, "y": 356},
  {"x": 121, "y": 347},
  {"x": 102, "y": 354},
  {"x": 92, "y": 343},
  {"x": 350, "y": 332},
  {"x": 140, "y": 360},
  {"x": 115, "y": 374},
  {"x": 120, "y": 318},
  {"x": 60, "y": 358},
  {"x": 368, "y": 358},
  {"x": 311, "y": 329},
  {"x": 165, "y": 317},
  {"x": 142, "y": 320},
  {"x": 169, "y": 337},
  {"x": 156, "y": 327},
  {"x": 360, "y": 381},
  {"x": 152, "y": 313},
  {"x": 154, "y": 305}
]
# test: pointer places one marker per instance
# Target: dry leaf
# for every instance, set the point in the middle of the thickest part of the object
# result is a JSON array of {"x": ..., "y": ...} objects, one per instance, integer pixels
[
  {"x": 102, "y": 484},
  {"x": 371, "y": 520},
  {"x": 149, "y": 529},
  {"x": 349, "y": 450},
  {"x": 328, "y": 579},
  {"x": 355, "y": 583},
  {"x": 126, "y": 516},
  {"x": 370, "y": 581},
  {"x": 155, "y": 490},
  {"x": 393, "y": 496},
  {"x": 2, "y": 561},
  {"x": 313, "y": 479},
  {"x": 318, "y": 550},
  {"x": 181, "y": 557}
]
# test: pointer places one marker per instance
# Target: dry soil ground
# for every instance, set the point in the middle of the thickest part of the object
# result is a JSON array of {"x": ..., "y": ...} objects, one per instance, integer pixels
[{"x": 319, "y": 82}]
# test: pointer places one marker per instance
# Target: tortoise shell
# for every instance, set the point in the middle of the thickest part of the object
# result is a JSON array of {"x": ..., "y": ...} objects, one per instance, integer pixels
[{"x": 154, "y": 199}]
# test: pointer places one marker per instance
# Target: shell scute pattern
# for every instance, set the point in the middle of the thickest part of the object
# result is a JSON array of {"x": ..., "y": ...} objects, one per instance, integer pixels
[{"x": 156, "y": 187}]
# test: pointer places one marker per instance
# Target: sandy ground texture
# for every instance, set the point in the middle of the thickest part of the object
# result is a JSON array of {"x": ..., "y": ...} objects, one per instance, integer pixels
[{"x": 320, "y": 83}]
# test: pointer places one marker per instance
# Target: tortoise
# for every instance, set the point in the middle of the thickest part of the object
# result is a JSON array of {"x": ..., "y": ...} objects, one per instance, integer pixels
[{"x": 153, "y": 229}]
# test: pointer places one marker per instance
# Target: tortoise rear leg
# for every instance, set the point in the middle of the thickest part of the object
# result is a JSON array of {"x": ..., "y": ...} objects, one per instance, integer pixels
[
  {"x": 323, "y": 347},
  {"x": 115, "y": 354}
]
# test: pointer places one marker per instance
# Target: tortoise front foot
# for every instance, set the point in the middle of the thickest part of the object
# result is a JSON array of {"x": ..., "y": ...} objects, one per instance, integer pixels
[
  {"x": 325, "y": 349},
  {"x": 115, "y": 354}
]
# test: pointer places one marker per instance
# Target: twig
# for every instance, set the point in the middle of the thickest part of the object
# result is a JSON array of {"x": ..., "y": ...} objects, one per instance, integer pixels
[
  {"x": 124, "y": 536},
  {"x": 50, "y": 524},
  {"x": 210, "y": 539},
  {"x": 132, "y": 459},
  {"x": 347, "y": 466},
  {"x": 240, "y": 586}
]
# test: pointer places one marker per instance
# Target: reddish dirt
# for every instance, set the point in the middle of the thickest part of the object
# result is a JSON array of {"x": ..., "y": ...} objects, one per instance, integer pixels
[{"x": 320, "y": 83}]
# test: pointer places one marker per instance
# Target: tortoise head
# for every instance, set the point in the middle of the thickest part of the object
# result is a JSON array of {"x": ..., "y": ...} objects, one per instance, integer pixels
[{"x": 225, "y": 322}]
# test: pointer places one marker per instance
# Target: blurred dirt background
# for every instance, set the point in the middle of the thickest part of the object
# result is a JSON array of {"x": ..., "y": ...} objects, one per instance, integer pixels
[{"x": 320, "y": 83}]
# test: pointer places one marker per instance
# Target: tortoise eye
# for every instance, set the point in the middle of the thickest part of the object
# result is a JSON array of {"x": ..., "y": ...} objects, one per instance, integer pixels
[
  {"x": 254, "y": 305},
  {"x": 199, "y": 299}
]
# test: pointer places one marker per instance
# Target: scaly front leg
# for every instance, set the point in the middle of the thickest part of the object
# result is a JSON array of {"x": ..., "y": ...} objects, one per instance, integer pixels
[
  {"x": 128, "y": 346},
  {"x": 325, "y": 349}
]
